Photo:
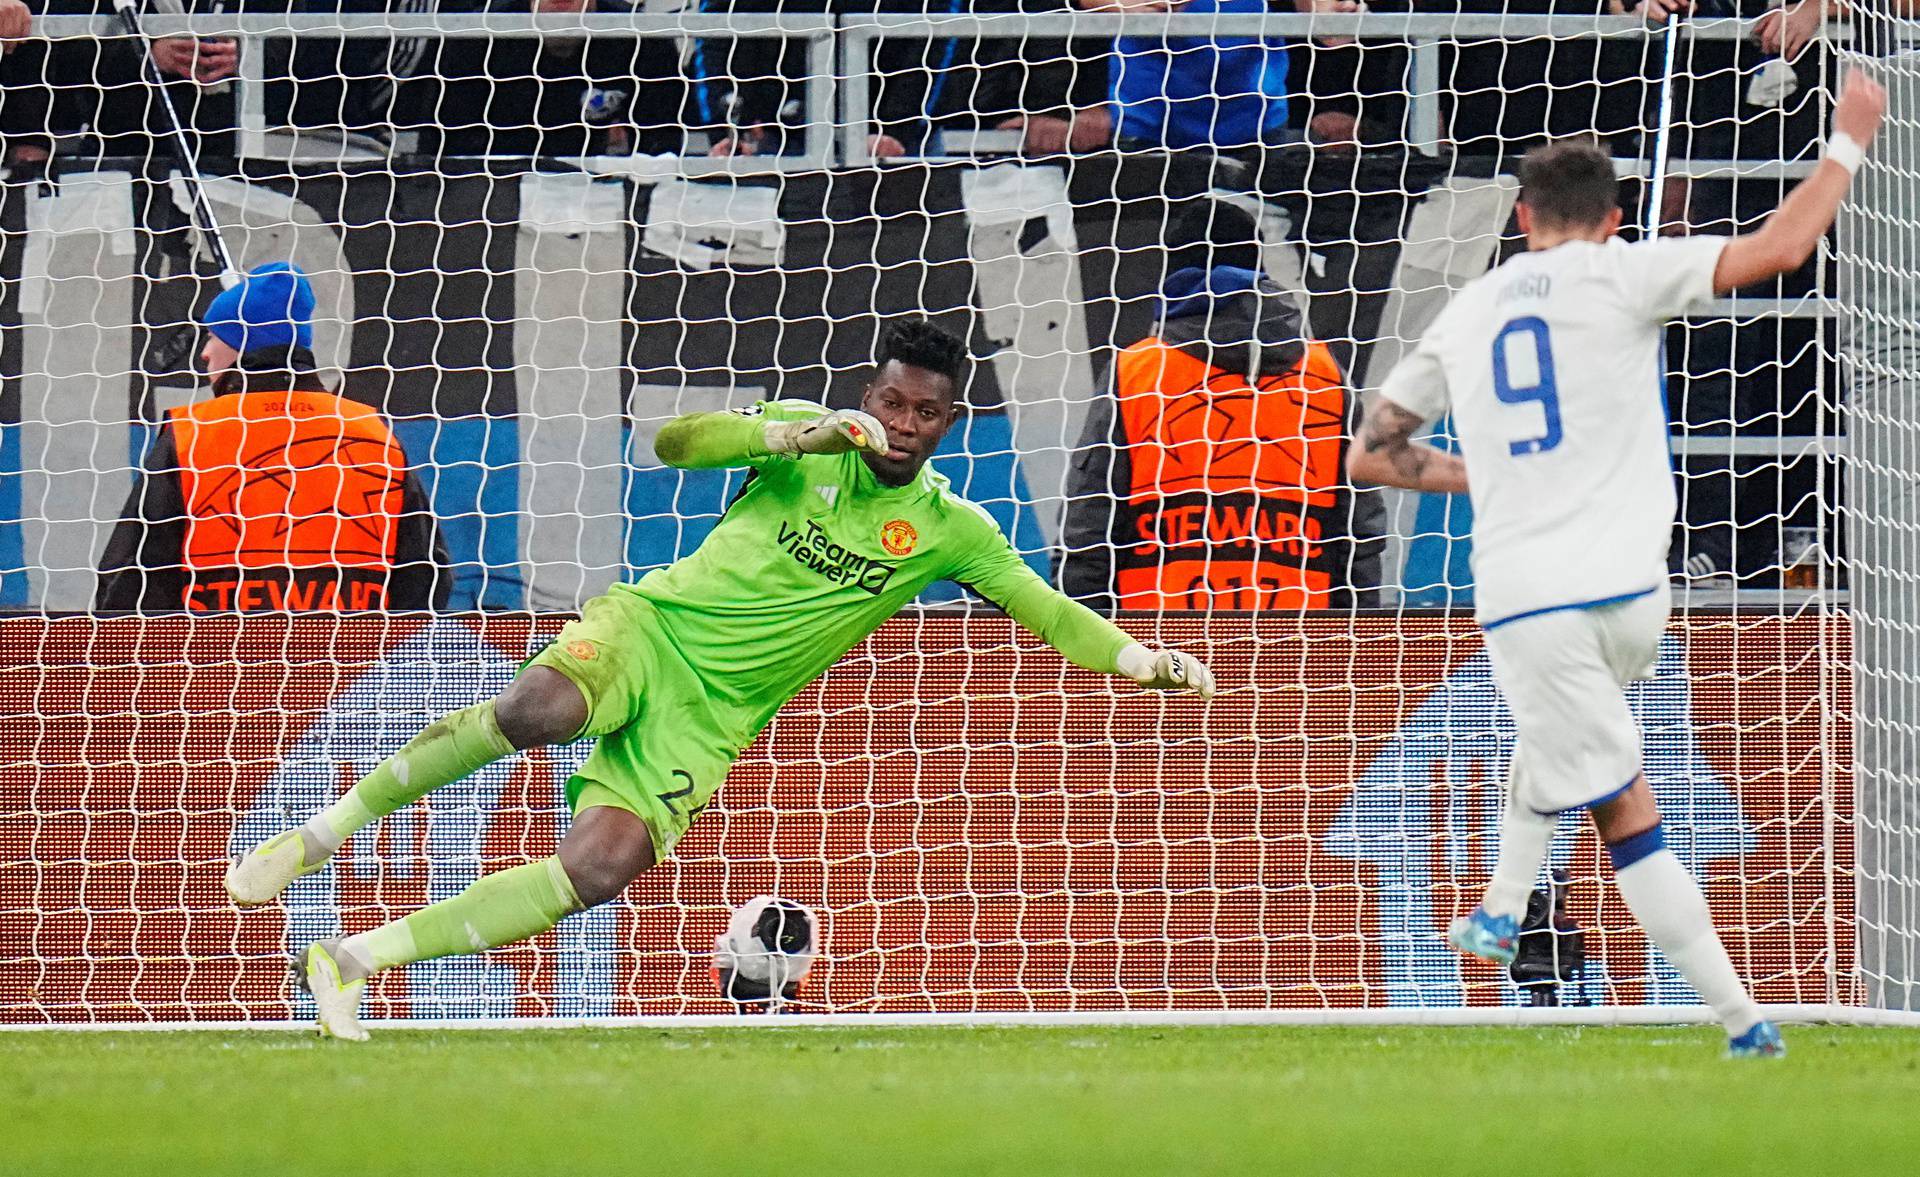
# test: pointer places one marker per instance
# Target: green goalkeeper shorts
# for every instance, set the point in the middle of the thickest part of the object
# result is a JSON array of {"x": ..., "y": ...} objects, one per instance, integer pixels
[{"x": 662, "y": 752}]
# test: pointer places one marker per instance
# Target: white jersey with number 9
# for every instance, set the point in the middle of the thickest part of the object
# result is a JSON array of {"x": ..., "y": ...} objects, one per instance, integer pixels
[{"x": 1552, "y": 367}]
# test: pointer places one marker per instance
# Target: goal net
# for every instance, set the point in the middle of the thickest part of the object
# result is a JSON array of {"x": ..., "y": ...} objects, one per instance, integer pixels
[{"x": 535, "y": 237}]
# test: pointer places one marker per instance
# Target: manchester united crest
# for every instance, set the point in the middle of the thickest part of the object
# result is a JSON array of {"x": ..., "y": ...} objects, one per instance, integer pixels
[{"x": 898, "y": 537}]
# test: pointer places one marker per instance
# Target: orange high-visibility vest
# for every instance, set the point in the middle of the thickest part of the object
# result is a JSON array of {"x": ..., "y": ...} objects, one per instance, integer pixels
[
  {"x": 293, "y": 501},
  {"x": 1234, "y": 484}
]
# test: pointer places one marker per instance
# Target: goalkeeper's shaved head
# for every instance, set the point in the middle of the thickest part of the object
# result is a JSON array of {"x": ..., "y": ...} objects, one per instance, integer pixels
[{"x": 1569, "y": 184}]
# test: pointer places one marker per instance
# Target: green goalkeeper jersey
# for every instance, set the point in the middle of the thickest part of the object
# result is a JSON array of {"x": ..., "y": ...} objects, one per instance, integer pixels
[{"x": 816, "y": 552}]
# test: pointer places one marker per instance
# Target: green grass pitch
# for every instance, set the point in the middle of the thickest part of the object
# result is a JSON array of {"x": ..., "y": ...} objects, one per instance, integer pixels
[{"x": 1114, "y": 1101}]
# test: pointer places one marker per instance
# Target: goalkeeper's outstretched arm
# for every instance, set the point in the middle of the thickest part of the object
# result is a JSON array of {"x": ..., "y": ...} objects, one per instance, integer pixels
[
  {"x": 709, "y": 441},
  {"x": 1082, "y": 636}
]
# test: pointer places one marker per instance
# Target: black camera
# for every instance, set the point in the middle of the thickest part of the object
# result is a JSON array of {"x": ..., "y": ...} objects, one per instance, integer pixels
[{"x": 1552, "y": 949}]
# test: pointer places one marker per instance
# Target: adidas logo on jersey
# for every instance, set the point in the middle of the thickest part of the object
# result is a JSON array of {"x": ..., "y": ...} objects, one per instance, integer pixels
[{"x": 829, "y": 493}]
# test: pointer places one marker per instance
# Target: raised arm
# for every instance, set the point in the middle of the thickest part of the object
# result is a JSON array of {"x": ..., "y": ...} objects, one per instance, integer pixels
[
  {"x": 1386, "y": 455},
  {"x": 1082, "y": 636},
  {"x": 707, "y": 441},
  {"x": 1788, "y": 237}
]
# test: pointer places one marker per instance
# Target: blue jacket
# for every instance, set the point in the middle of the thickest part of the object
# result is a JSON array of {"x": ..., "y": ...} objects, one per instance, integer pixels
[{"x": 1222, "y": 92}]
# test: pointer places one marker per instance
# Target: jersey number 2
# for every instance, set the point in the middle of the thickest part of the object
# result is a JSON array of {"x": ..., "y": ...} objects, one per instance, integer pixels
[{"x": 1543, "y": 391}]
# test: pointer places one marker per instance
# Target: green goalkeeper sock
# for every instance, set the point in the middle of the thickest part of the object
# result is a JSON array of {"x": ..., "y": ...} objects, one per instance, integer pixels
[
  {"x": 449, "y": 748},
  {"x": 500, "y": 908}
]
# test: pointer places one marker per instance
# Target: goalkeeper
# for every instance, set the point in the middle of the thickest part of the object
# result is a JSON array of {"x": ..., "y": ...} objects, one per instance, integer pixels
[{"x": 841, "y": 524}]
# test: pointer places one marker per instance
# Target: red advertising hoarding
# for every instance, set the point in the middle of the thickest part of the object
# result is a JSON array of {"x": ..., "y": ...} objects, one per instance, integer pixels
[{"x": 982, "y": 826}]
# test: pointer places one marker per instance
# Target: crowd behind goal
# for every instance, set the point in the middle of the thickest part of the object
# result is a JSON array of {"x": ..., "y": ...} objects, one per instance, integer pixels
[{"x": 1293, "y": 153}]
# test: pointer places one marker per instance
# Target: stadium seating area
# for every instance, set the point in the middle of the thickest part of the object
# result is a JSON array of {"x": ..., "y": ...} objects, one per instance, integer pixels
[
  {"x": 934, "y": 72},
  {"x": 1345, "y": 155}
]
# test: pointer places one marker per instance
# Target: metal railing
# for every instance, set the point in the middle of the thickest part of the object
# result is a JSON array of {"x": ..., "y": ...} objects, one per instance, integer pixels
[{"x": 840, "y": 56}]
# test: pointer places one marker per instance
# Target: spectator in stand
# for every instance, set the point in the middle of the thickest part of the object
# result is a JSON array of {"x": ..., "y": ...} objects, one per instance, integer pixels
[
  {"x": 1226, "y": 93},
  {"x": 1510, "y": 95},
  {"x": 553, "y": 94},
  {"x": 26, "y": 97},
  {"x": 1052, "y": 90},
  {"x": 102, "y": 85},
  {"x": 1222, "y": 93},
  {"x": 347, "y": 89},
  {"x": 1354, "y": 92},
  {"x": 274, "y": 495},
  {"x": 16, "y": 24},
  {"x": 98, "y": 84},
  {"x": 1212, "y": 478},
  {"x": 750, "y": 92},
  {"x": 1790, "y": 28}
]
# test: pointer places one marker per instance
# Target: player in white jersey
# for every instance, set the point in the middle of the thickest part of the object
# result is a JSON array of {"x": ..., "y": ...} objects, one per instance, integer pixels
[{"x": 1552, "y": 368}]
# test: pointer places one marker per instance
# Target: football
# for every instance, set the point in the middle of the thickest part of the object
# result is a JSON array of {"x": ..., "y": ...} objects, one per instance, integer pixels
[{"x": 766, "y": 951}]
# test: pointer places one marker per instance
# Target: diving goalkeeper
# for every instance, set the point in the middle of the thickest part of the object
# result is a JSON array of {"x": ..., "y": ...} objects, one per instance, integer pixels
[{"x": 841, "y": 524}]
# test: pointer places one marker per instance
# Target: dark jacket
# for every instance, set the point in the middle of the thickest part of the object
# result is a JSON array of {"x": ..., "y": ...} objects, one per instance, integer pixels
[
  {"x": 101, "y": 83},
  {"x": 26, "y": 92},
  {"x": 1213, "y": 476},
  {"x": 546, "y": 95},
  {"x": 1534, "y": 89},
  {"x": 281, "y": 501},
  {"x": 748, "y": 83},
  {"x": 917, "y": 86}
]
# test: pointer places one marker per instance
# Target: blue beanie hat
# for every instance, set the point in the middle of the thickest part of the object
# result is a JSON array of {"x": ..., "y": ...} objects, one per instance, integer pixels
[{"x": 271, "y": 307}]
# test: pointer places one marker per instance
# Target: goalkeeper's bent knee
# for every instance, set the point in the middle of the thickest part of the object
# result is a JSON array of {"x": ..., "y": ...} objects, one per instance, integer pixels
[{"x": 541, "y": 707}]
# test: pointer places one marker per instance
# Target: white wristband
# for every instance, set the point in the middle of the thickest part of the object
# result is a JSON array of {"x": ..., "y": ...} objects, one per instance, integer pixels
[
  {"x": 780, "y": 437},
  {"x": 1135, "y": 661},
  {"x": 1846, "y": 151}
]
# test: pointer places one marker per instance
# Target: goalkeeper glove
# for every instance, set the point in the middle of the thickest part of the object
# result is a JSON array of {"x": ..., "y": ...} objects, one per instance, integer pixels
[
  {"x": 1166, "y": 670},
  {"x": 839, "y": 432}
]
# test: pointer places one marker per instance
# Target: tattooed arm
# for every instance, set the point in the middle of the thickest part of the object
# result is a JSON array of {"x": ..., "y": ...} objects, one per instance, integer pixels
[{"x": 1384, "y": 454}]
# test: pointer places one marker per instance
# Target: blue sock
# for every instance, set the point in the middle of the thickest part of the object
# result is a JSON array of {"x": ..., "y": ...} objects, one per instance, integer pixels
[{"x": 1630, "y": 850}]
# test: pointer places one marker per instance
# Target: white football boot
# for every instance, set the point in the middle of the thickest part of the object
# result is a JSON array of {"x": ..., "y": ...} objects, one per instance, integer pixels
[
  {"x": 271, "y": 867},
  {"x": 317, "y": 970}
]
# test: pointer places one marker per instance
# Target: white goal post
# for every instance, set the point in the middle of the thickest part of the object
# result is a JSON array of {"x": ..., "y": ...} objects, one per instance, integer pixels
[{"x": 988, "y": 833}]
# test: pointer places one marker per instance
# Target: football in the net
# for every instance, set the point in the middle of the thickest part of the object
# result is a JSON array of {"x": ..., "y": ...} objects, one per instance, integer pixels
[{"x": 766, "y": 950}]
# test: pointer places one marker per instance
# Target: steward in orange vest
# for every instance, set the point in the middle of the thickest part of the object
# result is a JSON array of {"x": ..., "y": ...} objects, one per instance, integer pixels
[
  {"x": 1213, "y": 477},
  {"x": 275, "y": 495}
]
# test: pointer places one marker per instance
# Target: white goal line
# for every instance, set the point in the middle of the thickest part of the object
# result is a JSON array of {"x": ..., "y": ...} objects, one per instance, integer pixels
[{"x": 1636, "y": 1015}]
